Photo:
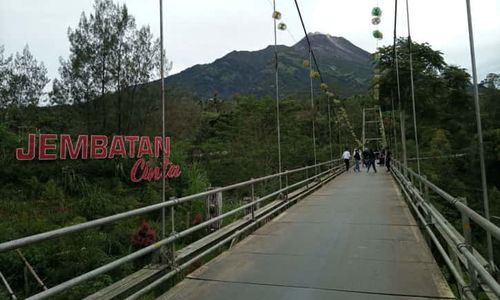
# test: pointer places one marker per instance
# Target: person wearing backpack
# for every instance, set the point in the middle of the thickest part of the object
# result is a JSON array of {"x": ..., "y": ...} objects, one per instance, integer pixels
[{"x": 371, "y": 161}]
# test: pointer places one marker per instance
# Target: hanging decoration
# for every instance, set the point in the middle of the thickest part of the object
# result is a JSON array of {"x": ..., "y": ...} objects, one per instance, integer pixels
[
  {"x": 378, "y": 35},
  {"x": 314, "y": 74},
  {"x": 282, "y": 26},
  {"x": 276, "y": 15},
  {"x": 376, "y": 12}
]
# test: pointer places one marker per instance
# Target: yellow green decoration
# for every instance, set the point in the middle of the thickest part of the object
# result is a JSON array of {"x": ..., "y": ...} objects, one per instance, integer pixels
[
  {"x": 314, "y": 74},
  {"x": 276, "y": 15},
  {"x": 306, "y": 63},
  {"x": 376, "y": 12},
  {"x": 282, "y": 26},
  {"x": 324, "y": 87},
  {"x": 378, "y": 34}
]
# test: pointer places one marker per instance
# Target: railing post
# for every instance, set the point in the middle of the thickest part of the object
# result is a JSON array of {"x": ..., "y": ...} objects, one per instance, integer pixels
[
  {"x": 214, "y": 209},
  {"x": 7, "y": 286},
  {"x": 286, "y": 185},
  {"x": 420, "y": 188},
  {"x": 468, "y": 243},
  {"x": 426, "y": 191},
  {"x": 428, "y": 216},
  {"x": 172, "y": 231},
  {"x": 307, "y": 177},
  {"x": 456, "y": 262},
  {"x": 253, "y": 201}
]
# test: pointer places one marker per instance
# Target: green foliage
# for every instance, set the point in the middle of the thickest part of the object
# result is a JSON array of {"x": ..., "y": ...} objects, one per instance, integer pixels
[
  {"x": 447, "y": 125},
  {"x": 52, "y": 192},
  {"x": 95, "y": 204},
  {"x": 439, "y": 143},
  {"x": 22, "y": 79}
]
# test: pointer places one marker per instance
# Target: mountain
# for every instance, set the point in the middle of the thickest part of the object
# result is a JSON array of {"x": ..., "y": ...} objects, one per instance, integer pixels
[{"x": 344, "y": 66}]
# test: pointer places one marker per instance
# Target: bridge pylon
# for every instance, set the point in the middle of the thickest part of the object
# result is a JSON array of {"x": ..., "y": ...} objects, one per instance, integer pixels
[{"x": 373, "y": 128}]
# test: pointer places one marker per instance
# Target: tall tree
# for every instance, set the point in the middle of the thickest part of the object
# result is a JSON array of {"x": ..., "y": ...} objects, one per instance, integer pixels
[
  {"x": 5, "y": 73},
  {"x": 107, "y": 54},
  {"x": 427, "y": 67},
  {"x": 23, "y": 79},
  {"x": 492, "y": 81}
]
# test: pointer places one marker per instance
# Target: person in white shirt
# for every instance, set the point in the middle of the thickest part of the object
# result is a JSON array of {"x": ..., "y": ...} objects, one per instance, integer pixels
[{"x": 346, "y": 156}]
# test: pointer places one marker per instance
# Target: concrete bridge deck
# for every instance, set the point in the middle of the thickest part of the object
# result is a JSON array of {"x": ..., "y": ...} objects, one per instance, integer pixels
[{"x": 352, "y": 239}]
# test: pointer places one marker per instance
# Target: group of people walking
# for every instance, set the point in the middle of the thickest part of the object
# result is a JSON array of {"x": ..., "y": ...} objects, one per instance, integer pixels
[{"x": 367, "y": 159}]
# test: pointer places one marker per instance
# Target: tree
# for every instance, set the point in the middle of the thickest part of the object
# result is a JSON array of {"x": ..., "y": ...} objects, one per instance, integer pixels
[
  {"x": 22, "y": 79},
  {"x": 427, "y": 67},
  {"x": 5, "y": 73},
  {"x": 492, "y": 81},
  {"x": 107, "y": 54}
]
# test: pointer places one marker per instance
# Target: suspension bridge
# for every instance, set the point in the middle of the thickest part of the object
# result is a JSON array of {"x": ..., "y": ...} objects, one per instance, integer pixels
[{"x": 324, "y": 233}]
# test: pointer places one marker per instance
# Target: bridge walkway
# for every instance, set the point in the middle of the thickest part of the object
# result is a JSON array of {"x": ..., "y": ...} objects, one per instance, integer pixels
[{"x": 354, "y": 238}]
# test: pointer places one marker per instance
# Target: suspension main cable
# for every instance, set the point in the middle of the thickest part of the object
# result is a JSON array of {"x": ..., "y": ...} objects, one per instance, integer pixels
[
  {"x": 313, "y": 55},
  {"x": 401, "y": 111},
  {"x": 309, "y": 42},
  {"x": 313, "y": 113},
  {"x": 396, "y": 66}
]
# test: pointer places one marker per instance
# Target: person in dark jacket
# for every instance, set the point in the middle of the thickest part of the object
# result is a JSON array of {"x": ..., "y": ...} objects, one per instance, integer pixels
[
  {"x": 365, "y": 158},
  {"x": 371, "y": 161},
  {"x": 388, "y": 157}
]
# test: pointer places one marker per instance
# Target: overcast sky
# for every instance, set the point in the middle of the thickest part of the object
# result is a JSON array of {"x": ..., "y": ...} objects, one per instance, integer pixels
[{"x": 200, "y": 31}]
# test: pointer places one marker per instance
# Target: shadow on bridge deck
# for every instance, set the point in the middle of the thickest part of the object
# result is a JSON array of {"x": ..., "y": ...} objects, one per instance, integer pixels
[{"x": 352, "y": 239}]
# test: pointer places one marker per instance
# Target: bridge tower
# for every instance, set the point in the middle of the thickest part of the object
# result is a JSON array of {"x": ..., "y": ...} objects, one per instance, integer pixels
[{"x": 373, "y": 128}]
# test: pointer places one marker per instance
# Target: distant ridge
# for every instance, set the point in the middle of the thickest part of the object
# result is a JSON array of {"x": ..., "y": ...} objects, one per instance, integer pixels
[{"x": 344, "y": 66}]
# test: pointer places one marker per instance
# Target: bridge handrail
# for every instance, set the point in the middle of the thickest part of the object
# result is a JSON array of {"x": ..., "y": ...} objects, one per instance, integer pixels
[
  {"x": 455, "y": 201},
  {"x": 459, "y": 242},
  {"x": 14, "y": 244},
  {"x": 25, "y": 241}
]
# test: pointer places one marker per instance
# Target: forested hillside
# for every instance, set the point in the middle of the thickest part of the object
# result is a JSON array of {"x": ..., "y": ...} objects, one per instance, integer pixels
[
  {"x": 113, "y": 89},
  {"x": 347, "y": 67}
]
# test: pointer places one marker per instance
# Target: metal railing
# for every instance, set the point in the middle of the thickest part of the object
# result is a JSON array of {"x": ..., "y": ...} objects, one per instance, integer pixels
[
  {"x": 461, "y": 253},
  {"x": 333, "y": 168}
]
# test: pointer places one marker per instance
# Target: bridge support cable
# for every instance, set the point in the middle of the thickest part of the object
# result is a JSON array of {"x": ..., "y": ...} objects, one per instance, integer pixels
[
  {"x": 313, "y": 112},
  {"x": 162, "y": 90},
  {"x": 330, "y": 125},
  {"x": 479, "y": 133},
  {"x": 400, "y": 109},
  {"x": 394, "y": 144},
  {"x": 415, "y": 130},
  {"x": 277, "y": 91}
]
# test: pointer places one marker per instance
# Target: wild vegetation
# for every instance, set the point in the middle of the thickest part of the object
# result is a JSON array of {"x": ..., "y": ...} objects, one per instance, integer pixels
[
  {"x": 446, "y": 126},
  {"x": 107, "y": 86}
]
